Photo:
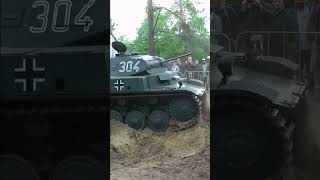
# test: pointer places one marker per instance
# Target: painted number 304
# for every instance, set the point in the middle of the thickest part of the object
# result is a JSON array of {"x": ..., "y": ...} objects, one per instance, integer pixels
[
  {"x": 128, "y": 66},
  {"x": 61, "y": 7}
]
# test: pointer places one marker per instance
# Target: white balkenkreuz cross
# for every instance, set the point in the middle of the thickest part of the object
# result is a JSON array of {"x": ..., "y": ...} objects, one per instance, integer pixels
[
  {"x": 119, "y": 85},
  {"x": 29, "y": 75}
]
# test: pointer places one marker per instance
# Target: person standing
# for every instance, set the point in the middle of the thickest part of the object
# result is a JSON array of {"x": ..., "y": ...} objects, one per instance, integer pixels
[
  {"x": 216, "y": 23},
  {"x": 196, "y": 69},
  {"x": 283, "y": 20},
  {"x": 204, "y": 69},
  {"x": 178, "y": 62},
  {"x": 226, "y": 16},
  {"x": 313, "y": 25},
  {"x": 174, "y": 67},
  {"x": 189, "y": 67},
  {"x": 255, "y": 14},
  {"x": 303, "y": 12}
]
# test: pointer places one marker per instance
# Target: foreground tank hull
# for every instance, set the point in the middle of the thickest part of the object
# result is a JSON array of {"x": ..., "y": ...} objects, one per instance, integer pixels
[
  {"x": 46, "y": 126},
  {"x": 255, "y": 113}
]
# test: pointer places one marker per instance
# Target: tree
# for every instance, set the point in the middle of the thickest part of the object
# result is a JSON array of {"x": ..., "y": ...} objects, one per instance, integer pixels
[
  {"x": 151, "y": 49},
  {"x": 176, "y": 30},
  {"x": 112, "y": 28}
]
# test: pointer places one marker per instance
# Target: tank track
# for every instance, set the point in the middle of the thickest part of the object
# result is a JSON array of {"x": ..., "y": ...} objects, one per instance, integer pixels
[
  {"x": 283, "y": 131},
  {"x": 50, "y": 111},
  {"x": 174, "y": 125}
]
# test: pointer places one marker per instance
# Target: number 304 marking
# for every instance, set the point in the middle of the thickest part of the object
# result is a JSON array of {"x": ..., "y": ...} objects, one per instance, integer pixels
[
  {"x": 127, "y": 66},
  {"x": 80, "y": 18},
  {"x": 43, "y": 16}
]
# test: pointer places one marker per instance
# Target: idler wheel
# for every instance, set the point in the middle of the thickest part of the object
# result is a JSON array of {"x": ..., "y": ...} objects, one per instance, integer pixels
[
  {"x": 79, "y": 168},
  {"x": 183, "y": 109},
  {"x": 16, "y": 168},
  {"x": 158, "y": 120},
  {"x": 135, "y": 119},
  {"x": 116, "y": 116}
]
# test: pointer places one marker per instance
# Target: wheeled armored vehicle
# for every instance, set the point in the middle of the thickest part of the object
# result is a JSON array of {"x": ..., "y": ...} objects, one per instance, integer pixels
[
  {"x": 144, "y": 93},
  {"x": 53, "y": 95},
  {"x": 257, "y": 101}
]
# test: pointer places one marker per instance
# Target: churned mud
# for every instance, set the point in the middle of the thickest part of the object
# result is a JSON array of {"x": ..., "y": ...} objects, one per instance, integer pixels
[
  {"x": 140, "y": 155},
  {"x": 308, "y": 142},
  {"x": 307, "y": 150}
]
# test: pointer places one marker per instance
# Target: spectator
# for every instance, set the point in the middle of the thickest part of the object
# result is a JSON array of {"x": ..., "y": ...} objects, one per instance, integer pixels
[
  {"x": 174, "y": 67},
  {"x": 178, "y": 62},
  {"x": 189, "y": 67},
  {"x": 226, "y": 18},
  {"x": 314, "y": 19},
  {"x": 283, "y": 19},
  {"x": 195, "y": 64},
  {"x": 204, "y": 75},
  {"x": 196, "y": 67},
  {"x": 313, "y": 25},
  {"x": 255, "y": 14},
  {"x": 208, "y": 62},
  {"x": 216, "y": 23},
  {"x": 303, "y": 12}
]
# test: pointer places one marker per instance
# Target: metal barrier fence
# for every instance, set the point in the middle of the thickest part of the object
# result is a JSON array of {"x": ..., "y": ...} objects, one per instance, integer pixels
[
  {"x": 203, "y": 76},
  {"x": 286, "y": 44}
]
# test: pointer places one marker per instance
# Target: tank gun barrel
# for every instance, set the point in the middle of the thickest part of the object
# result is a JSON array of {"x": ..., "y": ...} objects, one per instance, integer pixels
[{"x": 177, "y": 57}]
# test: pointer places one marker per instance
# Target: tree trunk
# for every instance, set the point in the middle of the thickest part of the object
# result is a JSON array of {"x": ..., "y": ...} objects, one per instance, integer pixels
[
  {"x": 151, "y": 48},
  {"x": 186, "y": 33}
]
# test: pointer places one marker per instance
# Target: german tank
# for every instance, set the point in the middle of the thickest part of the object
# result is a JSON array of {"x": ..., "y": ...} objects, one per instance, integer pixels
[
  {"x": 144, "y": 93},
  {"x": 53, "y": 89},
  {"x": 257, "y": 101}
]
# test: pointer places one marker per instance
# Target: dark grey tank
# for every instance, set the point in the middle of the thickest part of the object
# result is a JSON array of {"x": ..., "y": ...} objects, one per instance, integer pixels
[
  {"x": 145, "y": 94},
  {"x": 53, "y": 89},
  {"x": 256, "y": 103}
]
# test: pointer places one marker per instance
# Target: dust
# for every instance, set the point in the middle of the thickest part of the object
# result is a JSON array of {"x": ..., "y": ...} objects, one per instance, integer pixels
[
  {"x": 308, "y": 142},
  {"x": 169, "y": 155},
  {"x": 307, "y": 150}
]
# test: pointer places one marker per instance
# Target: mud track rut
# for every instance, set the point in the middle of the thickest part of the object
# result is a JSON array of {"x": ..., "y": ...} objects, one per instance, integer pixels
[
  {"x": 186, "y": 154},
  {"x": 171, "y": 155},
  {"x": 307, "y": 153}
]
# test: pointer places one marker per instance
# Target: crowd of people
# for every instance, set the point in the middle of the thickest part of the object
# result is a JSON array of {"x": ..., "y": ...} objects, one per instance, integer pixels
[
  {"x": 197, "y": 69},
  {"x": 299, "y": 16}
]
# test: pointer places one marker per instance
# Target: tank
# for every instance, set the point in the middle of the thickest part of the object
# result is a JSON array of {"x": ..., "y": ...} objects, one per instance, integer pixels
[
  {"x": 145, "y": 94},
  {"x": 257, "y": 101},
  {"x": 53, "y": 89}
]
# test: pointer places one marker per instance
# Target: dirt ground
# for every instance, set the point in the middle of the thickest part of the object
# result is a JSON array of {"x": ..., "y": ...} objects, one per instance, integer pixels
[
  {"x": 308, "y": 142},
  {"x": 140, "y": 155}
]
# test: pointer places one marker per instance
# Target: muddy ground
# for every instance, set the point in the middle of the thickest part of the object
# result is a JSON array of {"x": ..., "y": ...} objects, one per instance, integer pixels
[
  {"x": 140, "y": 155},
  {"x": 308, "y": 142}
]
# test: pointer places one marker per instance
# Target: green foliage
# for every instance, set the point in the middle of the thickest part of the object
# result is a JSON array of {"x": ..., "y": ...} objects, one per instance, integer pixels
[{"x": 174, "y": 34}]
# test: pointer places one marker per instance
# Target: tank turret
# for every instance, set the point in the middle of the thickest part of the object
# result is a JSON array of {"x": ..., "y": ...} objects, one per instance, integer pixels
[{"x": 126, "y": 64}]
